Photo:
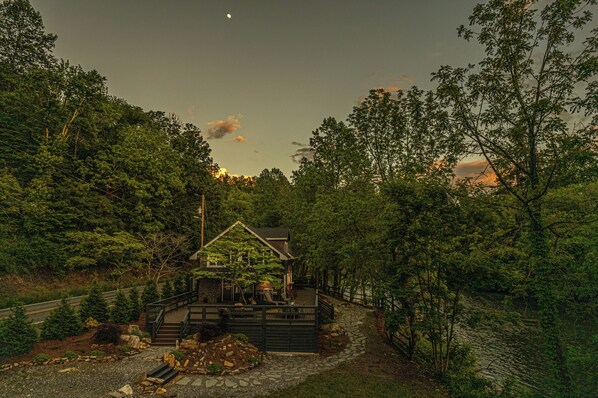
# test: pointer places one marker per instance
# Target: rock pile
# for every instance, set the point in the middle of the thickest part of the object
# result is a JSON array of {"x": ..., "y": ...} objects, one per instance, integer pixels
[{"x": 226, "y": 354}]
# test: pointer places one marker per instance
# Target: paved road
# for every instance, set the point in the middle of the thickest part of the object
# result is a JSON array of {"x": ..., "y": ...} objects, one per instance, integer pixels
[{"x": 39, "y": 311}]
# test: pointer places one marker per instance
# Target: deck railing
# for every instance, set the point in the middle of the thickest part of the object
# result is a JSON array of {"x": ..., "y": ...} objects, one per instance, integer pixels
[
  {"x": 325, "y": 310},
  {"x": 156, "y": 311},
  {"x": 184, "y": 325},
  {"x": 276, "y": 328}
]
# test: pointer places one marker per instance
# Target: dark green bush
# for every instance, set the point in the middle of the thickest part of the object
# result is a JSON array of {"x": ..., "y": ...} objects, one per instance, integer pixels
[
  {"x": 208, "y": 331},
  {"x": 41, "y": 358},
  {"x": 253, "y": 361},
  {"x": 214, "y": 368},
  {"x": 150, "y": 293},
  {"x": 70, "y": 355},
  {"x": 241, "y": 337},
  {"x": 61, "y": 323},
  {"x": 121, "y": 311},
  {"x": 107, "y": 333},
  {"x": 17, "y": 333},
  {"x": 134, "y": 304},
  {"x": 94, "y": 306},
  {"x": 98, "y": 354}
]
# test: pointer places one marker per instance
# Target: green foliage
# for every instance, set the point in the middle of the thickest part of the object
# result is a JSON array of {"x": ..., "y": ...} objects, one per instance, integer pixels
[
  {"x": 150, "y": 293},
  {"x": 167, "y": 290},
  {"x": 246, "y": 261},
  {"x": 99, "y": 249},
  {"x": 214, "y": 368},
  {"x": 180, "y": 284},
  {"x": 86, "y": 177},
  {"x": 134, "y": 304},
  {"x": 124, "y": 349},
  {"x": 99, "y": 354},
  {"x": 70, "y": 355},
  {"x": 121, "y": 310},
  {"x": 520, "y": 107},
  {"x": 582, "y": 362},
  {"x": 17, "y": 333},
  {"x": 61, "y": 323},
  {"x": 30, "y": 47},
  {"x": 241, "y": 337},
  {"x": 90, "y": 323},
  {"x": 94, "y": 306},
  {"x": 41, "y": 358},
  {"x": 178, "y": 355},
  {"x": 253, "y": 361}
]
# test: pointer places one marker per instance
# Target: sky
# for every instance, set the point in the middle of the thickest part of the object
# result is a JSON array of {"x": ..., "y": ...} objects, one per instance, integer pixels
[{"x": 258, "y": 83}]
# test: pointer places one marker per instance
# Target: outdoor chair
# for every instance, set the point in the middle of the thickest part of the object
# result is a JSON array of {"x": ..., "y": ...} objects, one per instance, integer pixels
[{"x": 268, "y": 298}]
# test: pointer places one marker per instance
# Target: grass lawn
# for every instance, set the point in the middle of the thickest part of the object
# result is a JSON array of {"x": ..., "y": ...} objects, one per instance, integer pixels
[
  {"x": 380, "y": 373},
  {"x": 341, "y": 384}
]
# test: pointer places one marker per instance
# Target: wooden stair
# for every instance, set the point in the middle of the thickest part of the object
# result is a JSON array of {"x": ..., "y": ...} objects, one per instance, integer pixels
[
  {"x": 167, "y": 335},
  {"x": 163, "y": 372}
]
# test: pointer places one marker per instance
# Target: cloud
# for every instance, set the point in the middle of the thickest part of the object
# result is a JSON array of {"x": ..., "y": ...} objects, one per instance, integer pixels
[
  {"x": 477, "y": 170},
  {"x": 406, "y": 78},
  {"x": 240, "y": 139},
  {"x": 305, "y": 152},
  {"x": 219, "y": 128}
]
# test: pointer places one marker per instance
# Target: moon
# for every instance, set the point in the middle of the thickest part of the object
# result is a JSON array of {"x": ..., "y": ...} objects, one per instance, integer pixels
[{"x": 229, "y": 16}]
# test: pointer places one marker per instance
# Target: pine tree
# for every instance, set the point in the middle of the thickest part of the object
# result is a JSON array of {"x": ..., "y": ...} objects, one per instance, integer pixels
[
  {"x": 167, "y": 290},
  {"x": 134, "y": 304},
  {"x": 180, "y": 284},
  {"x": 62, "y": 322},
  {"x": 121, "y": 312},
  {"x": 94, "y": 306},
  {"x": 17, "y": 333},
  {"x": 150, "y": 293}
]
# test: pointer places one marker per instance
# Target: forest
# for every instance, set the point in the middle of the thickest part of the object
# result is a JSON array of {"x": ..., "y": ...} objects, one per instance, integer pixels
[{"x": 89, "y": 182}]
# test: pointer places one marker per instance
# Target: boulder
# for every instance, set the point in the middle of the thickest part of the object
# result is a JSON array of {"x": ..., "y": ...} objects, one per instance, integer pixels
[
  {"x": 189, "y": 344},
  {"x": 126, "y": 389},
  {"x": 133, "y": 329},
  {"x": 134, "y": 341}
]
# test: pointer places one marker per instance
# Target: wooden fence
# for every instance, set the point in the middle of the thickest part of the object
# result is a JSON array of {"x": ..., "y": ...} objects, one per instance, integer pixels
[
  {"x": 379, "y": 302},
  {"x": 278, "y": 328}
]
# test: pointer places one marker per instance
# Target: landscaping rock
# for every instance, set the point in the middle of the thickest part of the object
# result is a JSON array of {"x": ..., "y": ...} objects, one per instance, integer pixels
[
  {"x": 134, "y": 342},
  {"x": 133, "y": 329},
  {"x": 126, "y": 390}
]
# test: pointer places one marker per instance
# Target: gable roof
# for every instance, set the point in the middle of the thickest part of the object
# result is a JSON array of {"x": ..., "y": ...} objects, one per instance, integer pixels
[
  {"x": 277, "y": 233},
  {"x": 254, "y": 231}
]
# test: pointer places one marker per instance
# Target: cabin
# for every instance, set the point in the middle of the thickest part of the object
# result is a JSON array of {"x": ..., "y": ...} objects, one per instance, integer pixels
[{"x": 220, "y": 290}]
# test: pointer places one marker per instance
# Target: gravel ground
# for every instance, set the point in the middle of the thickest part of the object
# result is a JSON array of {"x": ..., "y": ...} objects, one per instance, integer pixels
[
  {"x": 75, "y": 379},
  {"x": 93, "y": 380}
]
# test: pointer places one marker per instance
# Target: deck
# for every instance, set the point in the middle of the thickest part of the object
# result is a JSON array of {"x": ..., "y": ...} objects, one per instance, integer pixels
[{"x": 305, "y": 296}]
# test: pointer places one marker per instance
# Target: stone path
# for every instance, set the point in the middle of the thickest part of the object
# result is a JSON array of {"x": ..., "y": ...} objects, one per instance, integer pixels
[{"x": 280, "y": 371}]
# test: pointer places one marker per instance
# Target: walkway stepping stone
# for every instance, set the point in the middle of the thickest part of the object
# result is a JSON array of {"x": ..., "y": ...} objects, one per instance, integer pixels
[
  {"x": 211, "y": 382},
  {"x": 184, "y": 381}
]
